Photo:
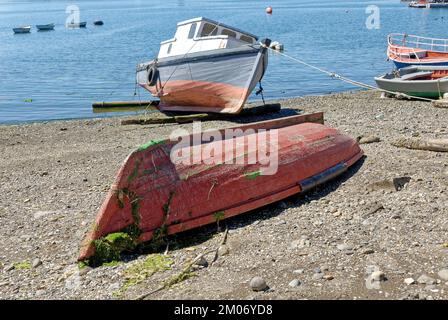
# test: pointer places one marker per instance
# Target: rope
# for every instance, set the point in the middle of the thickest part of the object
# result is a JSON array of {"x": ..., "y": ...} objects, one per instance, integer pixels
[{"x": 345, "y": 79}]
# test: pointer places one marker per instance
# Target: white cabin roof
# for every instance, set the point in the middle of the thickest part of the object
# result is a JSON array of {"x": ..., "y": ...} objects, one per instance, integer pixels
[{"x": 199, "y": 19}]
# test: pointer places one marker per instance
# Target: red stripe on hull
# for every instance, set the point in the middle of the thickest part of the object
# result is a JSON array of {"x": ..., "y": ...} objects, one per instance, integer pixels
[{"x": 199, "y": 96}]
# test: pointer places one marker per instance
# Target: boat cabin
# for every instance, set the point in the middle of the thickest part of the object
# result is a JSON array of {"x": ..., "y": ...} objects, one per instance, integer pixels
[{"x": 202, "y": 34}]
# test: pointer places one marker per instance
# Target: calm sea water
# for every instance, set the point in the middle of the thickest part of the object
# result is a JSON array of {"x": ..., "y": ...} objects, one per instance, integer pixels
[{"x": 63, "y": 71}]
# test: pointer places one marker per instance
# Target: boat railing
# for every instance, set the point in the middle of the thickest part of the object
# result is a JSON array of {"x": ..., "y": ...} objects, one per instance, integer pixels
[{"x": 399, "y": 41}]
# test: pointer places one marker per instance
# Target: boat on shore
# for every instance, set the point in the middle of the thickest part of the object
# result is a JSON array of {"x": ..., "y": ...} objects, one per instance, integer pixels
[
  {"x": 45, "y": 27},
  {"x": 418, "y": 81},
  {"x": 155, "y": 195},
  {"x": 22, "y": 29},
  {"x": 406, "y": 50},
  {"x": 206, "y": 67}
]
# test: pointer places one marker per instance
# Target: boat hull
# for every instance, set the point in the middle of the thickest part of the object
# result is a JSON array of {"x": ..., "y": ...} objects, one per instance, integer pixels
[
  {"x": 407, "y": 50},
  {"x": 153, "y": 194},
  {"x": 409, "y": 82},
  {"x": 21, "y": 30},
  {"x": 399, "y": 64},
  {"x": 45, "y": 27},
  {"x": 217, "y": 81}
]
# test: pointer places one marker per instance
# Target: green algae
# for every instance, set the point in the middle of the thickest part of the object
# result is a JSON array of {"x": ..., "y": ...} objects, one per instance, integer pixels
[
  {"x": 149, "y": 144},
  {"x": 252, "y": 175},
  {"x": 23, "y": 265},
  {"x": 110, "y": 247},
  {"x": 143, "y": 270}
]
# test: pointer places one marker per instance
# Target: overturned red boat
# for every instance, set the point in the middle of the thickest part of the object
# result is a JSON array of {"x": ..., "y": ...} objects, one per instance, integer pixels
[{"x": 165, "y": 187}]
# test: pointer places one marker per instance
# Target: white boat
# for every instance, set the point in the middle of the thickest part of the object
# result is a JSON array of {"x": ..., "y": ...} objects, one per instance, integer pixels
[
  {"x": 418, "y": 81},
  {"x": 45, "y": 27},
  {"x": 206, "y": 67},
  {"x": 23, "y": 29},
  {"x": 76, "y": 24}
]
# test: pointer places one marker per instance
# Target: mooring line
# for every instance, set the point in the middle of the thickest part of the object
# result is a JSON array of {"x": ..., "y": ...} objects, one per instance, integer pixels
[{"x": 345, "y": 79}]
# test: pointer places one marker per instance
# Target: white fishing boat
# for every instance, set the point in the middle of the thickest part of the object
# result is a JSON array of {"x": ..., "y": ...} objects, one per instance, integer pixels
[
  {"x": 45, "y": 27},
  {"x": 76, "y": 24},
  {"x": 22, "y": 29},
  {"x": 206, "y": 67},
  {"x": 418, "y": 81}
]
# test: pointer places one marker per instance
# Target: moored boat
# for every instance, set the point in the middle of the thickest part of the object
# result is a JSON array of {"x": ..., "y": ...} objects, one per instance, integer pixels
[
  {"x": 45, "y": 27},
  {"x": 406, "y": 50},
  {"x": 207, "y": 67},
  {"x": 418, "y": 4},
  {"x": 23, "y": 29},
  {"x": 76, "y": 24},
  {"x": 419, "y": 81},
  {"x": 163, "y": 189},
  {"x": 98, "y": 22}
]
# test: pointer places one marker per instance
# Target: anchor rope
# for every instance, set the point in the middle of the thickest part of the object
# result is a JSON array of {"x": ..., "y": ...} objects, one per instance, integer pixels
[{"x": 345, "y": 79}]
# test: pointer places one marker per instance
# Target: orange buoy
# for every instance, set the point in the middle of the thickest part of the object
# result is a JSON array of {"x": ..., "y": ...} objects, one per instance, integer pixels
[{"x": 269, "y": 10}]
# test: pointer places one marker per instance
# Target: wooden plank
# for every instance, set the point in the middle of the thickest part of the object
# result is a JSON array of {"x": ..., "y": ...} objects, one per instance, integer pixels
[
  {"x": 124, "y": 104},
  {"x": 187, "y": 118}
]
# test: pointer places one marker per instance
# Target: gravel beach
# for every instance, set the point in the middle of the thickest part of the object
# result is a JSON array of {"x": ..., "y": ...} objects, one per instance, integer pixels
[{"x": 380, "y": 231}]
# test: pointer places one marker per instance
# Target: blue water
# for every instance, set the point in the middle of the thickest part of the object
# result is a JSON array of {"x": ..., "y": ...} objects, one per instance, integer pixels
[{"x": 63, "y": 71}]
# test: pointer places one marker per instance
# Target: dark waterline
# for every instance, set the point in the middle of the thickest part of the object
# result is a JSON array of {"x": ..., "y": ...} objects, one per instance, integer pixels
[{"x": 64, "y": 71}]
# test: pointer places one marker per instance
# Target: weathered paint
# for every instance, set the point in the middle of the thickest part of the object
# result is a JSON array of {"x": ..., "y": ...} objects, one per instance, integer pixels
[
  {"x": 163, "y": 203},
  {"x": 217, "y": 81}
]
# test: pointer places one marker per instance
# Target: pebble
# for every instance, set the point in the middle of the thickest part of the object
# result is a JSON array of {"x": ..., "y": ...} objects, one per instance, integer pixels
[
  {"x": 368, "y": 251},
  {"x": 223, "y": 250},
  {"x": 345, "y": 248},
  {"x": 295, "y": 283},
  {"x": 298, "y": 271},
  {"x": 409, "y": 281},
  {"x": 378, "y": 276},
  {"x": 40, "y": 292},
  {"x": 258, "y": 284},
  {"x": 443, "y": 274},
  {"x": 328, "y": 277},
  {"x": 9, "y": 267},
  {"x": 36, "y": 262},
  {"x": 317, "y": 276},
  {"x": 424, "y": 279}
]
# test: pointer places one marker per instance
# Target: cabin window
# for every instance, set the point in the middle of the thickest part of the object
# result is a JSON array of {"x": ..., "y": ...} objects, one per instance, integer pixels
[
  {"x": 209, "y": 30},
  {"x": 246, "y": 39},
  {"x": 192, "y": 31},
  {"x": 227, "y": 32},
  {"x": 168, "y": 51}
]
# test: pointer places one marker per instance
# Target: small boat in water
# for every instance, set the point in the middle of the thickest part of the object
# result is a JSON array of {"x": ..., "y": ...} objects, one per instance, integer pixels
[
  {"x": 76, "y": 24},
  {"x": 419, "y": 81},
  {"x": 406, "y": 50},
  {"x": 429, "y": 4},
  {"x": 418, "y": 4},
  {"x": 23, "y": 29},
  {"x": 206, "y": 67},
  {"x": 163, "y": 189},
  {"x": 98, "y": 22},
  {"x": 45, "y": 27}
]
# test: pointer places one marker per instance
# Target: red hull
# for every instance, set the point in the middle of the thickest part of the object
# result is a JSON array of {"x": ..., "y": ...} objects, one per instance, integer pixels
[
  {"x": 153, "y": 193},
  {"x": 199, "y": 96}
]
